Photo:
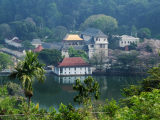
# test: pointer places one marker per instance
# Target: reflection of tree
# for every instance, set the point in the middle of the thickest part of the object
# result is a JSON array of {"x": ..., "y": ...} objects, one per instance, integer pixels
[{"x": 49, "y": 87}]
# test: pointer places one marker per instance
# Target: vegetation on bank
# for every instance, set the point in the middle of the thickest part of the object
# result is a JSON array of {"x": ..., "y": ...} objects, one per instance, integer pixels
[{"x": 141, "y": 102}]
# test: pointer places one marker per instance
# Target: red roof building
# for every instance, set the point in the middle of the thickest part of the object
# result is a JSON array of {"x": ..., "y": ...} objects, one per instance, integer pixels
[
  {"x": 38, "y": 49},
  {"x": 72, "y": 66}
]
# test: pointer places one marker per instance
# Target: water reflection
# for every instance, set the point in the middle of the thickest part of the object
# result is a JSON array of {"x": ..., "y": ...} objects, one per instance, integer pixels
[{"x": 57, "y": 90}]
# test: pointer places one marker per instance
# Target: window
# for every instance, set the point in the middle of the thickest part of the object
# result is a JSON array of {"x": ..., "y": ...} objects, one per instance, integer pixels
[
  {"x": 128, "y": 42},
  {"x": 69, "y": 68},
  {"x": 74, "y": 68},
  {"x": 96, "y": 39},
  {"x": 91, "y": 46},
  {"x": 102, "y": 46},
  {"x": 69, "y": 72},
  {"x": 99, "y": 39},
  {"x": 104, "y": 39},
  {"x": 74, "y": 72},
  {"x": 65, "y": 72},
  {"x": 122, "y": 42},
  {"x": 81, "y": 68},
  {"x": 65, "y": 69}
]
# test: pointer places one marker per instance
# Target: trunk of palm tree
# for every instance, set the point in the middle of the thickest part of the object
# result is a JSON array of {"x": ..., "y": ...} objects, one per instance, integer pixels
[{"x": 29, "y": 100}]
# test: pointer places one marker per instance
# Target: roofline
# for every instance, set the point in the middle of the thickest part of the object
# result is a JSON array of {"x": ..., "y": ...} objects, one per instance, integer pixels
[{"x": 75, "y": 66}]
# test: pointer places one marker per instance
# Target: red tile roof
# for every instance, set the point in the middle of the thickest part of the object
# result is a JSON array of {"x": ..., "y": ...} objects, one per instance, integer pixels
[
  {"x": 72, "y": 62},
  {"x": 38, "y": 49}
]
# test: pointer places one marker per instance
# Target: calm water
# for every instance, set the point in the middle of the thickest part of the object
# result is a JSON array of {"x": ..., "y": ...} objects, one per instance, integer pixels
[{"x": 57, "y": 90}]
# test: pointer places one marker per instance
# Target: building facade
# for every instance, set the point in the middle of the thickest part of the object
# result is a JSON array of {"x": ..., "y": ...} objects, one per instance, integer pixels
[
  {"x": 126, "y": 40},
  {"x": 36, "y": 42},
  {"x": 72, "y": 66},
  {"x": 13, "y": 41},
  {"x": 91, "y": 41},
  {"x": 96, "y": 41}
]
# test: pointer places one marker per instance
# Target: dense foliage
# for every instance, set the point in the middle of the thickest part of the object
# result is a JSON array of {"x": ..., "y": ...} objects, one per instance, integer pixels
[
  {"x": 50, "y": 57},
  {"x": 77, "y": 53},
  {"x": 43, "y": 16},
  {"x": 5, "y": 61}
]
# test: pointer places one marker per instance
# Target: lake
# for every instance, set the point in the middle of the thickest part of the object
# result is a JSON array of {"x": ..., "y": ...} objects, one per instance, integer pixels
[{"x": 57, "y": 90}]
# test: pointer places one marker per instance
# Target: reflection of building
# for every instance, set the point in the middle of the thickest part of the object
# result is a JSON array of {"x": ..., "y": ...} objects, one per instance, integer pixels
[
  {"x": 66, "y": 83},
  {"x": 126, "y": 40},
  {"x": 73, "y": 66}
]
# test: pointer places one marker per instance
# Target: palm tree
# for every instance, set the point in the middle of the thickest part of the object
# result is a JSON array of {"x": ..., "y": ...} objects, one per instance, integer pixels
[{"x": 27, "y": 71}]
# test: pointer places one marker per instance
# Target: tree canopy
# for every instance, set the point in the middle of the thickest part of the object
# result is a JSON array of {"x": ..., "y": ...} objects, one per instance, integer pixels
[
  {"x": 5, "y": 61},
  {"x": 77, "y": 53},
  {"x": 50, "y": 56}
]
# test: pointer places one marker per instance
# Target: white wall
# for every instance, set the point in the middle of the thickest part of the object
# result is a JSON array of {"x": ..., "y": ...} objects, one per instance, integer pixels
[
  {"x": 36, "y": 45},
  {"x": 73, "y": 71},
  {"x": 126, "y": 40},
  {"x": 65, "y": 52},
  {"x": 100, "y": 40}
]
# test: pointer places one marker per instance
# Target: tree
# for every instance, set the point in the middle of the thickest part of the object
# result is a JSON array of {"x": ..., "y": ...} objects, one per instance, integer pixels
[
  {"x": 77, "y": 53},
  {"x": 126, "y": 59},
  {"x": 100, "y": 21},
  {"x": 84, "y": 91},
  {"x": 27, "y": 45},
  {"x": 98, "y": 60},
  {"x": 144, "y": 33},
  {"x": 113, "y": 41},
  {"x": 26, "y": 71},
  {"x": 5, "y": 30},
  {"x": 134, "y": 31},
  {"x": 132, "y": 46},
  {"x": 106, "y": 23},
  {"x": 5, "y": 61},
  {"x": 59, "y": 33},
  {"x": 50, "y": 57}
]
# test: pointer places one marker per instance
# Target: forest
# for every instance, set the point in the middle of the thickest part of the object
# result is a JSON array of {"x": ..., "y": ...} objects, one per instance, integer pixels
[{"x": 30, "y": 19}]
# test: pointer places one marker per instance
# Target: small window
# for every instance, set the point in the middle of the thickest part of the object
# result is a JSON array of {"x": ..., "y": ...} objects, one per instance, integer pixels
[
  {"x": 124, "y": 42},
  {"x": 65, "y": 72},
  {"x": 96, "y": 39},
  {"x": 99, "y": 39},
  {"x": 104, "y": 39},
  {"x": 81, "y": 68},
  {"x": 74, "y": 68},
  {"x": 121, "y": 42},
  {"x": 69, "y": 72},
  {"x": 65, "y": 69},
  {"x": 69, "y": 68},
  {"x": 92, "y": 46},
  {"x": 74, "y": 72},
  {"x": 128, "y": 42}
]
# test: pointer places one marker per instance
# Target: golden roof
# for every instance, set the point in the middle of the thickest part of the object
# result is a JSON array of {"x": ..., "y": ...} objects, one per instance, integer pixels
[{"x": 72, "y": 37}]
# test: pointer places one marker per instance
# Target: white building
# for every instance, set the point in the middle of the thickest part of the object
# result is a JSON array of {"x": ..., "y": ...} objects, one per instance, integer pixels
[
  {"x": 126, "y": 40},
  {"x": 96, "y": 41},
  {"x": 72, "y": 66},
  {"x": 13, "y": 41},
  {"x": 91, "y": 41},
  {"x": 36, "y": 42}
]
